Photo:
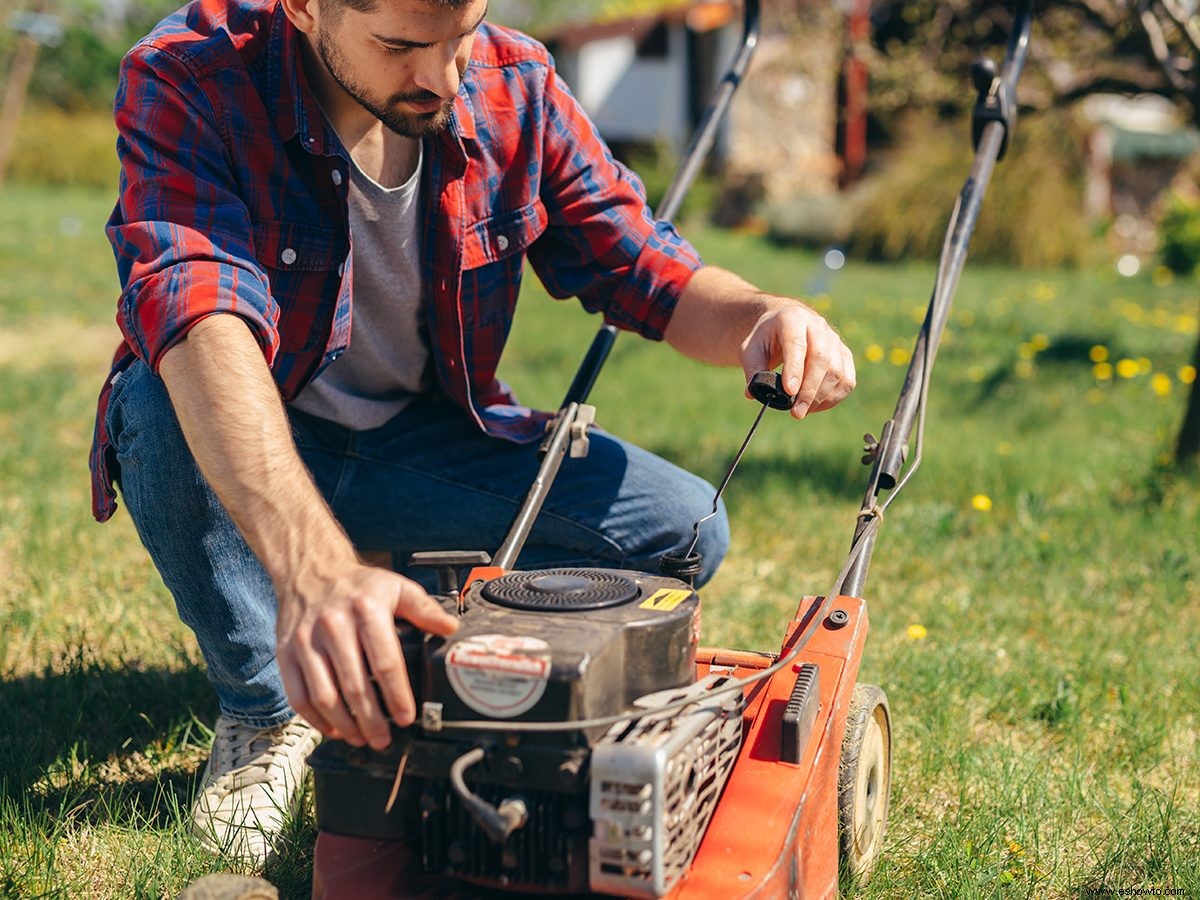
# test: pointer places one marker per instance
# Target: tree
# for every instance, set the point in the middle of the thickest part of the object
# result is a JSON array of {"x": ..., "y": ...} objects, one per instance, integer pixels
[{"x": 1080, "y": 47}]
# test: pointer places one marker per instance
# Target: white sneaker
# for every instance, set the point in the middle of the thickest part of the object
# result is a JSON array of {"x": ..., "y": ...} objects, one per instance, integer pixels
[{"x": 251, "y": 784}]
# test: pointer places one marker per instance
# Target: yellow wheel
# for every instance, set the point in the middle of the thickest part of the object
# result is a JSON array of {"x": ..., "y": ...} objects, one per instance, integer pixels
[{"x": 864, "y": 782}]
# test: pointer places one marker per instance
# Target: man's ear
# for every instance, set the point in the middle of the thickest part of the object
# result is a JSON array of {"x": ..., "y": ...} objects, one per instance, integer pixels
[{"x": 305, "y": 14}]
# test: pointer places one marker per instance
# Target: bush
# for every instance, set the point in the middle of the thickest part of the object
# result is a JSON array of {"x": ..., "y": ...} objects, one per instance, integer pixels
[
  {"x": 1033, "y": 214},
  {"x": 60, "y": 148},
  {"x": 1179, "y": 235}
]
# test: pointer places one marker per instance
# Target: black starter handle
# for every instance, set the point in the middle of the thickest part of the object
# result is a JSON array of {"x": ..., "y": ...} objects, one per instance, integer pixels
[{"x": 767, "y": 388}]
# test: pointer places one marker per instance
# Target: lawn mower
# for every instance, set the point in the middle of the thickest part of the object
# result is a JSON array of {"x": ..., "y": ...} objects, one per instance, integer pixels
[{"x": 574, "y": 737}]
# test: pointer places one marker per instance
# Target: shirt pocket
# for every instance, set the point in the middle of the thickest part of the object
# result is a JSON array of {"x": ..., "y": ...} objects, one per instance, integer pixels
[
  {"x": 304, "y": 265},
  {"x": 493, "y": 259}
]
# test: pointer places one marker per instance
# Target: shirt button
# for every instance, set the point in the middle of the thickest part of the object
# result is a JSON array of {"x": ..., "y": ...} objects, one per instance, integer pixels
[
  {"x": 336, "y": 176},
  {"x": 288, "y": 256},
  {"x": 501, "y": 243}
]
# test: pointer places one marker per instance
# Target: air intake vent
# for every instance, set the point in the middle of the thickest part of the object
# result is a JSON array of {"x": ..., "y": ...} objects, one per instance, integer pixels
[{"x": 561, "y": 590}]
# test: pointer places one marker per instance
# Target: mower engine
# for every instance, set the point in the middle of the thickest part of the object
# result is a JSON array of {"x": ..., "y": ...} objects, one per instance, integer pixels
[{"x": 611, "y": 808}]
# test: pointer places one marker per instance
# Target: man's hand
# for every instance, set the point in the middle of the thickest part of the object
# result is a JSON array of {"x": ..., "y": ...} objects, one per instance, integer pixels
[
  {"x": 336, "y": 615},
  {"x": 818, "y": 368},
  {"x": 334, "y": 632},
  {"x": 724, "y": 320}
]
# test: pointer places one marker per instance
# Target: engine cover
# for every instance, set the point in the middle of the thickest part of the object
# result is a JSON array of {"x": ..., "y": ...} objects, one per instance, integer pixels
[
  {"x": 558, "y": 645},
  {"x": 562, "y": 645}
]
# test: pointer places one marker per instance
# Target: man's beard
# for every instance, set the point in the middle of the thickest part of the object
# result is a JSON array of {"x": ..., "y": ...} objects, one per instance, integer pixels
[{"x": 410, "y": 125}]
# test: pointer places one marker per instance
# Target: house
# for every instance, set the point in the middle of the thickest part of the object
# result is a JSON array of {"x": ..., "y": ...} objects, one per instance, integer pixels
[
  {"x": 1136, "y": 148},
  {"x": 647, "y": 79},
  {"x": 646, "y": 76}
]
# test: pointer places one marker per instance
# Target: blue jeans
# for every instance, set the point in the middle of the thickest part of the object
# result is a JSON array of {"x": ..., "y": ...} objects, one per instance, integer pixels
[{"x": 427, "y": 480}]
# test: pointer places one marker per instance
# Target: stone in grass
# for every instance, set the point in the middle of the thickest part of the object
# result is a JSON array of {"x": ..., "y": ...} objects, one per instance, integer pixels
[{"x": 230, "y": 887}]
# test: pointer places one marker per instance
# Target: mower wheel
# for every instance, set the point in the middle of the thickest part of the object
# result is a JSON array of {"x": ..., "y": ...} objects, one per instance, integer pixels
[{"x": 864, "y": 782}]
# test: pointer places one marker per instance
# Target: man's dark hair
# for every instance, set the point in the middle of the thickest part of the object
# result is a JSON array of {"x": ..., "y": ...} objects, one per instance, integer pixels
[{"x": 333, "y": 7}]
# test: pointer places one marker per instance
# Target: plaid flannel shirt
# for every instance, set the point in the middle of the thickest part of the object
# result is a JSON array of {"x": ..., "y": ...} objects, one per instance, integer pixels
[{"x": 233, "y": 199}]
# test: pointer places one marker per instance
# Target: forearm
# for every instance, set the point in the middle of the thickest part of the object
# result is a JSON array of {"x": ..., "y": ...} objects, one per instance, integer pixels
[
  {"x": 715, "y": 313},
  {"x": 234, "y": 423},
  {"x": 724, "y": 320}
]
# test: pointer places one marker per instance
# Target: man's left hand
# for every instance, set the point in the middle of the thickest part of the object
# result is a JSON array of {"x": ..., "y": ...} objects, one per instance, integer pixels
[
  {"x": 722, "y": 319},
  {"x": 818, "y": 368}
]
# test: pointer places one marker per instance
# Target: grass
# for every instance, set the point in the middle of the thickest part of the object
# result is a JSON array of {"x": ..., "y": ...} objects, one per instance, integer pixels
[{"x": 1045, "y": 723}]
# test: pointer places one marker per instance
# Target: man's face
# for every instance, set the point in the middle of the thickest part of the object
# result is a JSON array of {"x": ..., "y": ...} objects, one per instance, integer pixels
[{"x": 404, "y": 61}]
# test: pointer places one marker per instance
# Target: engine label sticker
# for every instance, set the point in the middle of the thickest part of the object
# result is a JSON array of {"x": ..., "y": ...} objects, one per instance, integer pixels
[
  {"x": 499, "y": 675},
  {"x": 664, "y": 600}
]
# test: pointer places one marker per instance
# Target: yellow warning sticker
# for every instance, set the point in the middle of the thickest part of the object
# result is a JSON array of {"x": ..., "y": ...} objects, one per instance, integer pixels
[{"x": 664, "y": 600}]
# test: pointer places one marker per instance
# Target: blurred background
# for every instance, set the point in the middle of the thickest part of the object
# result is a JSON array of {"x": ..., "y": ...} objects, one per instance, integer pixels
[{"x": 1033, "y": 598}]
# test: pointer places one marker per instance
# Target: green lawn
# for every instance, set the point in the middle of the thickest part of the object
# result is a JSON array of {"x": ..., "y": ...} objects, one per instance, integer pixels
[{"x": 1046, "y": 711}]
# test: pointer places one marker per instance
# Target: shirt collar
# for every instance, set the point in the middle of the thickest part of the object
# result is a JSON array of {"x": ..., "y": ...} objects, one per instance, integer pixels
[{"x": 297, "y": 112}]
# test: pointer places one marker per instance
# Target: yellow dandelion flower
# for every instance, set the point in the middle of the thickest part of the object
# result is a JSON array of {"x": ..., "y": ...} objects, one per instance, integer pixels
[
  {"x": 1103, "y": 371},
  {"x": 1186, "y": 324},
  {"x": 1004, "y": 448},
  {"x": 1133, "y": 312},
  {"x": 917, "y": 632},
  {"x": 874, "y": 353},
  {"x": 1024, "y": 369},
  {"x": 1145, "y": 367},
  {"x": 982, "y": 502},
  {"x": 918, "y": 314},
  {"x": 1162, "y": 276},
  {"x": 1045, "y": 537},
  {"x": 1161, "y": 384},
  {"x": 1040, "y": 342},
  {"x": 1127, "y": 368},
  {"x": 1015, "y": 849},
  {"x": 976, "y": 373},
  {"x": 1027, "y": 351},
  {"x": 899, "y": 356},
  {"x": 1043, "y": 293},
  {"x": 1098, "y": 354},
  {"x": 1095, "y": 396},
  {"x": 1186, "y": 374}
]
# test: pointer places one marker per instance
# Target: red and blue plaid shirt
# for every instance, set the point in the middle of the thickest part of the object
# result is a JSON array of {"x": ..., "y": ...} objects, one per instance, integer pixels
[{"x": 234, "y": 200}]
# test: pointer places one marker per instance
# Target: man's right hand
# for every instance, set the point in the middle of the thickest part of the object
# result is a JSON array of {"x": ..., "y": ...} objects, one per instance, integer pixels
[
  {"x": 335, "y": 630},
  {"x": 336, "y": 620}
]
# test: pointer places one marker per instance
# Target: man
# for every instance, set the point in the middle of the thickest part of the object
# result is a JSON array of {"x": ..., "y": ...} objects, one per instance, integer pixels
[{"x": 260, "y": 140}]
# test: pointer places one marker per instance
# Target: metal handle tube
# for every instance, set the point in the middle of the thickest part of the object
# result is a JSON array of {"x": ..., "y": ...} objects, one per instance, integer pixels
[
  {"x": 668, "y": 208},
  {"x": 589, "y": 369},
  {"x": 507, "y": 555},
  {"x": 706, "y": 132},
  {"x": 894, "y": 443}
]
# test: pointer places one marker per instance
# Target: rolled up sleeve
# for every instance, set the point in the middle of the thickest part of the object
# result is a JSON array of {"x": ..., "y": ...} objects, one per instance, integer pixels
[
  {"x": 602, "y": 243},
  {"x": 181, "y": 235}
]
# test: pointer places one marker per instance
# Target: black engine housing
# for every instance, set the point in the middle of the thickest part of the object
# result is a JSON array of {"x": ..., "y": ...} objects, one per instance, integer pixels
[{"x": 551, "y": 646}]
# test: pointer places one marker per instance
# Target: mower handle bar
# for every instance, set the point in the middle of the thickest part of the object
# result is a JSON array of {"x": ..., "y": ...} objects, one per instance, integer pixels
[
  {"x": 890, "y": 454},
  {"x": 589, "y": 370},
  {"x": 694, "y": 155}
]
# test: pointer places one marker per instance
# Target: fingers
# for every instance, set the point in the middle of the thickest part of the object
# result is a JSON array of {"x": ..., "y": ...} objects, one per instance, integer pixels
[
  {"x": 357, "y": 706},
  {"x": 423, "y": 611},
  {"x": 818, "y": 368},
  {"x": 839, "y": 381},
  {"x": 330, "y": 648},
  {"x": 386, "y": 659}
]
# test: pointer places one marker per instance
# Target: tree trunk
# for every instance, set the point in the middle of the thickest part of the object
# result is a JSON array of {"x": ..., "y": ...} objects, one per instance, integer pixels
[
  {"x": 1187, "y": 447},
  {"x": 24, "y": 61}
]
